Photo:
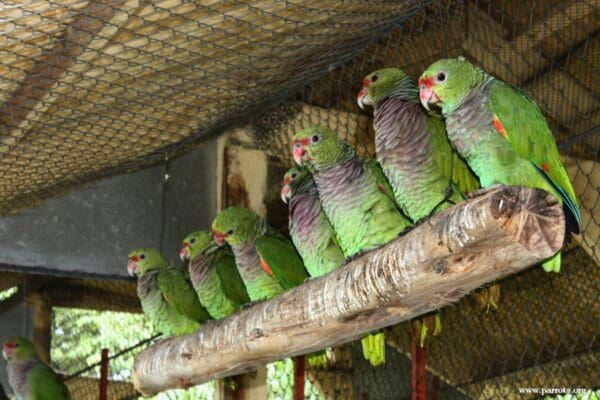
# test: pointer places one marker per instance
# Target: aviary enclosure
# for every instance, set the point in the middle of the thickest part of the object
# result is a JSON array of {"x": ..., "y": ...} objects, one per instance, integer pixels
[{"x": 95, "y": 91}]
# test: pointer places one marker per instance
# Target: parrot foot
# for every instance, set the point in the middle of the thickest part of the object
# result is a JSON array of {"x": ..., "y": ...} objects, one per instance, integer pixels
[
  {"x": 252, "y": 303},
  {"x": 483, "y": 191},
  {"x": 488, "y": 298}
]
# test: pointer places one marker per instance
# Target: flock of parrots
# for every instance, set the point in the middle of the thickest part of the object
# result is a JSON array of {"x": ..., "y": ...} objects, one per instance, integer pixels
[{"x": 340, "y": 205}]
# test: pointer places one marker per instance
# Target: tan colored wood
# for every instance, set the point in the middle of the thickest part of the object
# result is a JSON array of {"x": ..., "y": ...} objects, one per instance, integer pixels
[
  {"x": 42, "y": 327},
  {"x": 435, "y": 264}
]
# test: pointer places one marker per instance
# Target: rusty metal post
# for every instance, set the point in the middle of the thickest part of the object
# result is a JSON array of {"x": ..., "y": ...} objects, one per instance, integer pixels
[
  {"x": 104, "y": 375},
  {"x": 418, "y": 372},
  {"x": 299, "y": 377}
]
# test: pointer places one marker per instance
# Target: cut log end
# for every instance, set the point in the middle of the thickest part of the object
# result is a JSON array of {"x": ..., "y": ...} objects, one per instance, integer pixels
[{"x": 532, "y": 217}]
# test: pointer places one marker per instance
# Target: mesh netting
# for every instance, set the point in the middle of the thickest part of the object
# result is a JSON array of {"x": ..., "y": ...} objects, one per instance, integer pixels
[
  {"x": 78, "y": 336},
  {"x": 93, "y": 88}
]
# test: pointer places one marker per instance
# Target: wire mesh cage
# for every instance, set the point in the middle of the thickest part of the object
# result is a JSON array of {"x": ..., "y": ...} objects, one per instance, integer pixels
[{"x": 94, "y": 88}]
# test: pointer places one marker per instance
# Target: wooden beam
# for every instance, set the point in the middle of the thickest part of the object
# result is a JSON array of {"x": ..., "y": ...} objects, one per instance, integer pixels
[
  {"x": 71, "y": 295},
  {"x": 486, "y": 238},
  {"x": 42, "y": 326}
]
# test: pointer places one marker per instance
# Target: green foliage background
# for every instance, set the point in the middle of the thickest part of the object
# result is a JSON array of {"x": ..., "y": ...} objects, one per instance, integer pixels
[{"x": 78, "y": 336}]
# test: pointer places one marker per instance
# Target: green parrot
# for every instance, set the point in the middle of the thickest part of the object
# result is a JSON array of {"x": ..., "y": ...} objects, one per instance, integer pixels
[
  {"x": 268, "y": 263},
  {"x": 309, "y": 227},
  {"x": 425, "y": 173},
  {"x": 357, "y": 200},
  {"x": 500, "y": 132},
  {"x": 354, "y": 192},
  {"x": 166, "y": 294},
  {"x": 214, "y": 275},
  {"x": 30, "y": 378}
]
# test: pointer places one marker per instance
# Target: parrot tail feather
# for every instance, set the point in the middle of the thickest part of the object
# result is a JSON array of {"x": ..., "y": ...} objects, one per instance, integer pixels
[
  {"x": 572, "y": 212},
  {"x": 553, "y": 263}
]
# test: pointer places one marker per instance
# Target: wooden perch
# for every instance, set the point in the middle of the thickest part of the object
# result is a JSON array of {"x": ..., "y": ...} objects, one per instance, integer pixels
[{"x": 436, "y": 263}]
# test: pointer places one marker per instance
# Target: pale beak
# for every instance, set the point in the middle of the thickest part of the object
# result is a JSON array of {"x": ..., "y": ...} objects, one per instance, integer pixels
[
  {"x": 184, "y": 253},
  {"x": 6, "y": 353},
  {"x": 363, "y": 99},
  {"x": 300, "y": 155},
  {"x": 285, "y": 193},
  {"x": 131, "y": 268},
  {"x": 219, "y": 237},
  {"x": 427, "y": 97}
]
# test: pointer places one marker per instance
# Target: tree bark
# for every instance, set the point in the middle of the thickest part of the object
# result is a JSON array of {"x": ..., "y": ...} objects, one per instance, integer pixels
[{"x": 442, "y": 259}]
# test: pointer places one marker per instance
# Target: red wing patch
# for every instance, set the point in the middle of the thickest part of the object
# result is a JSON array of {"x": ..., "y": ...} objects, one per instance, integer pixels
[
  {"x": 499, "y": 127},
  {"x": 266, "y": 267},
  {"x": 545, "y": 167},
  {"x": 382, "y": 188}
]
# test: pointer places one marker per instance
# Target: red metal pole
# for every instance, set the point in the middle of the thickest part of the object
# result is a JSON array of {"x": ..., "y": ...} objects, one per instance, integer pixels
[
  {"x": 104, "y": 375},
  {"x": 435, "y": 388},
  {"x": 299, "y": 377},
  {"x": 418, "y": 372}
]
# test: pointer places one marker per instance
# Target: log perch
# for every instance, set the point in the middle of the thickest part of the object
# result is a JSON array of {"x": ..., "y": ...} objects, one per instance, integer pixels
[{"x": 490, "y": 236}]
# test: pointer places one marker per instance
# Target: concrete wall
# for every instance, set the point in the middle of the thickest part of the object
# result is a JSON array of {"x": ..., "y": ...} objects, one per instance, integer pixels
[{"x": 90, "y": 231}]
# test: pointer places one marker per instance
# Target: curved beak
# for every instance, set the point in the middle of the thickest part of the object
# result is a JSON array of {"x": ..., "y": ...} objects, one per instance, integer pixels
[
  {"x": 363, "y": 99},
  {"x": 7, "y": 350},
  {"x": 299, "y": 150},
  {"x": 184, "y": 252},
  {"x": 300, "y": 155},
  {"x": 285, "y": 193},
  {"x": 132, "y": 266},
  {"x": 427, "y": 95},
  {"x": 219, "y": 237}
]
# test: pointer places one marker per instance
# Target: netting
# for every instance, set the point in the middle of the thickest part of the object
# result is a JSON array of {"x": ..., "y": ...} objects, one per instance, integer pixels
[
  {"x": 93, "y": 88},
  {"x": 78, "y": 336}
]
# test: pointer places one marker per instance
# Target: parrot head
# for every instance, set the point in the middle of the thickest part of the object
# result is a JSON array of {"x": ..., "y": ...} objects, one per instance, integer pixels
[
  {"x": 145, "y": 259},
  {"x": 198, "y": 242},
  {"x": 17, "y": 348},
  {"x": 290, "y": 181},
  {"x": 319, "y": 146},
  {"x": 446, "y": 82},
  {"x": 236, "y": 225},
  {"x": 379, "y": 85}
]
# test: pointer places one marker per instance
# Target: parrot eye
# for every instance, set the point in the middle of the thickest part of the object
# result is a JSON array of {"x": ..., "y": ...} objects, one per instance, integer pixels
[
  {"x": 193, "y": 240},
  {"x": 17, "y": 344},
  {"x": 142, "y": 256},
  {"x": 315, "y": 138},
  {"x": 374, "y": 78},
  {"x": 230, "y": 232},
  {"x": 441, "y": 77},
  {"x": 294, "y": 176}
]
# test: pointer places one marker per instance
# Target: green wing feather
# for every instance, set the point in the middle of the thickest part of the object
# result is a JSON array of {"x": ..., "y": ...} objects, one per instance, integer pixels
[
  {"x": 283, "y": 260},
  {"x": 231, "y": 281},
  {"x": 46, "y": 384},
  {"x": 529, "y": 134},
  {"x": 386, "y": 188},
  {"x": 448, "y": 160},
  {"x": 179, "y": 293}
]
